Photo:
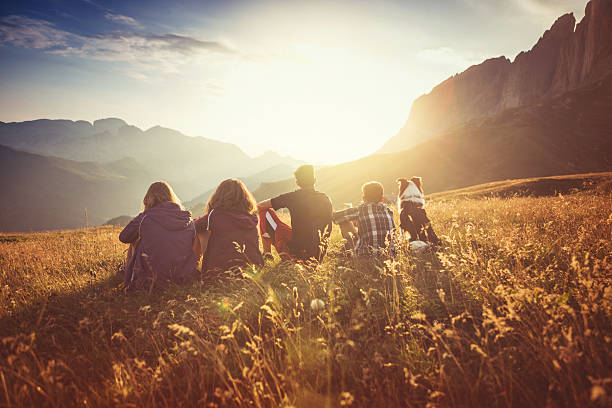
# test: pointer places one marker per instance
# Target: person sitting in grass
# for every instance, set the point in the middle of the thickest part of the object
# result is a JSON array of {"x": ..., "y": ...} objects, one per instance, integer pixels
[
  {"x": 311, "y": 216},
  {"x": 375, "y": 224},
  {"x": 227, "y": 233},
  {"x": 161, "y": 240}
]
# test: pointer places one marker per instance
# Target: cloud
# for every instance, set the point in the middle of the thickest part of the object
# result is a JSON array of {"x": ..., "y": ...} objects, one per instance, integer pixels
[
  {"x": 143, "y": 47},
  {"x": 213, "y": 89},
  {"x": 164, "y": 51},
  {"x": 31, "y": 33},
  {"x": 93, "y": 3},
  {"x": 121, "y": 19}
]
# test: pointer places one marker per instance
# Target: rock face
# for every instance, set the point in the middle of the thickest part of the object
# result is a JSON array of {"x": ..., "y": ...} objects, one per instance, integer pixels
[
  {"x": 531, "y": 74},
  {"x": 562, "y": 60},
  {"x": 566, "y": 134},
  {"x": 587, "y": 56}
]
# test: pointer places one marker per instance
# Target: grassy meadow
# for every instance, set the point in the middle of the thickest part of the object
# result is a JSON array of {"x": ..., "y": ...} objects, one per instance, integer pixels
[{"x": 514, "y": 311}]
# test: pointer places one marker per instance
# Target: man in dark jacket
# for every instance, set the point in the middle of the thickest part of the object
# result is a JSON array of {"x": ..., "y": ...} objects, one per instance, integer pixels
[
  {"x": 311, "y": 216},
  {"x": 163, "y": 237}
]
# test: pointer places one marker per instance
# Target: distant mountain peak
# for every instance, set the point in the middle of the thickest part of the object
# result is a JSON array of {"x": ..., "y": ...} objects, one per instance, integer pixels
[
  {"x": 563, "y": 26},
  {"x": 160, "y": 130},
  {"x": 567, "y": 56},
  {"x": 270, "y": 154},
  {"x": 109, "y": 124}
]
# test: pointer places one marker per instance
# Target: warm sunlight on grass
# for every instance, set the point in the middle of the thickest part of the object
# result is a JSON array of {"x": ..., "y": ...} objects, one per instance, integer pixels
[{"x": 514, "y": 311}]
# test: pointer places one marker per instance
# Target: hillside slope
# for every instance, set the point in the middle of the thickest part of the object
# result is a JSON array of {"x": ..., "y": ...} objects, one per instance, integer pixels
[
  {"x": 40, "y": 193},
  {"x": 569, "y": 134},
  {"x": 596, "y": 183}
]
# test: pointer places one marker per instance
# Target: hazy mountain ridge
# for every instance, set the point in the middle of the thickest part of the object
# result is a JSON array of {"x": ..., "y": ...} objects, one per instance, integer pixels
[
  {"x": 41, "y": 192},
  {"x": 566, "y": 57},
  {"x": 190, "y": 164},
  {"x": 252, "y": 182},
  {"x": 53, "y": 169}
]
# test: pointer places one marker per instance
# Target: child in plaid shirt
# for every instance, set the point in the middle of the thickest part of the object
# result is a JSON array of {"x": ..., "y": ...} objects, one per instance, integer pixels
[{"x": 375, "y": 225}]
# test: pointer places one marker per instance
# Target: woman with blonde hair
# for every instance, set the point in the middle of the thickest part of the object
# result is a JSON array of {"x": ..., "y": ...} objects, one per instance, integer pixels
[
  {"x": 161, "y": 239},
  {"x": 228, "y": 232}
]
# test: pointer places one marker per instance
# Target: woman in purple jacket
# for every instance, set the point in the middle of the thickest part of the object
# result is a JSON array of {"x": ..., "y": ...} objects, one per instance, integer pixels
[
  {"x": 228, "y": 232},
  {"x": 162, "y": 239}
]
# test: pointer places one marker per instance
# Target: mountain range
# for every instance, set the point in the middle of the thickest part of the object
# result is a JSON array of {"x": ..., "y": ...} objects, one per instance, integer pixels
[
  {"x": 190, "y": 164},
  {"x": 53, "y": 169},
  {"x": 548, "y": 112},
  {"x": 566, "y": 57}
]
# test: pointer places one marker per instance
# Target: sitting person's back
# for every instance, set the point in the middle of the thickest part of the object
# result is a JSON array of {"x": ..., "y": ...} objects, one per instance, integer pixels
[
  {"x": 228, "y": 230},
  {"x": 163, "y": 236},
  {"x": 311, "y": 216},
  {"x": 375, "y": 224}
]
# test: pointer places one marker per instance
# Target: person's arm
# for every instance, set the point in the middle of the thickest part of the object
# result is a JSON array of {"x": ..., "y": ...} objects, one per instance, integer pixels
[
  {"x": 281, "y": 201},
  {"x": 346, "y": 215},
  {"x": 264, "y": 205},
  {"x": 131, "y": 232}
]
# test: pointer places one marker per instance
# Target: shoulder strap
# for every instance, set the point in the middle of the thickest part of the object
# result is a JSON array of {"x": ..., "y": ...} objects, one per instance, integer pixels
[
  {"x": 208, "y": 220},
  {"x": 271, "y": 220},
  {"x": 140, "y": 225}
]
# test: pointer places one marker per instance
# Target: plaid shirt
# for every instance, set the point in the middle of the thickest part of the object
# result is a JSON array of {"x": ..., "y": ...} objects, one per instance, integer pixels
[{"x": 375, "y": 226}]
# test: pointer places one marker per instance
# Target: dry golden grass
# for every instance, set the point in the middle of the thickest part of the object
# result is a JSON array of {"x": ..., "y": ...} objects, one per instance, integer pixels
[{"x": 515, "y": 311}]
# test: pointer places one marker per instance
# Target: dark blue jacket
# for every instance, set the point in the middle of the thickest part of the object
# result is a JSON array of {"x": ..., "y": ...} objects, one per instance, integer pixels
[{"x": 164, "y": 251}]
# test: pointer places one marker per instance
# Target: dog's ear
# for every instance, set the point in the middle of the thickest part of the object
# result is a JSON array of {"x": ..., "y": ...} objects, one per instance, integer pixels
[{"x": 401, "y": 180}]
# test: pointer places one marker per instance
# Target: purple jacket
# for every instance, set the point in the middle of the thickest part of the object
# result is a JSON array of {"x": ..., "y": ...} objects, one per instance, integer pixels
[
  {"x": 166, "y": 235},
  {"x": 229, "y": 228}
]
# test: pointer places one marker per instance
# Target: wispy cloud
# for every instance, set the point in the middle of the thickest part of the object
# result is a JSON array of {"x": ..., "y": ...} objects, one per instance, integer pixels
[
  {"x": 165, "y": 51},
  {"x": 121, "y": 19},
  {"x": 31, "y": 33},
  {"x": 213, "y": 89},
  {"x": 93, "y": 3}
]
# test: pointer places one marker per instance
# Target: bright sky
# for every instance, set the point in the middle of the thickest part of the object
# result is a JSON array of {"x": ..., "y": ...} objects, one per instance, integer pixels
[{"x": 322, "y": 81}]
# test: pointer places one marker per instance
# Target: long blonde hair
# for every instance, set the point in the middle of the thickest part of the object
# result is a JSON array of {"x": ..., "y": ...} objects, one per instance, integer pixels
[
  {"x": 159, "y": 192},
  {"x": 232, "y": 194}
]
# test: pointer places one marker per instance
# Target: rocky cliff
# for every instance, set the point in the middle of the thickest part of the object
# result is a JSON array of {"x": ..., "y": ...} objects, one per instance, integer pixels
[
  {"x": 565, "y": 57},
  {"x": 566, "y": 134}
]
